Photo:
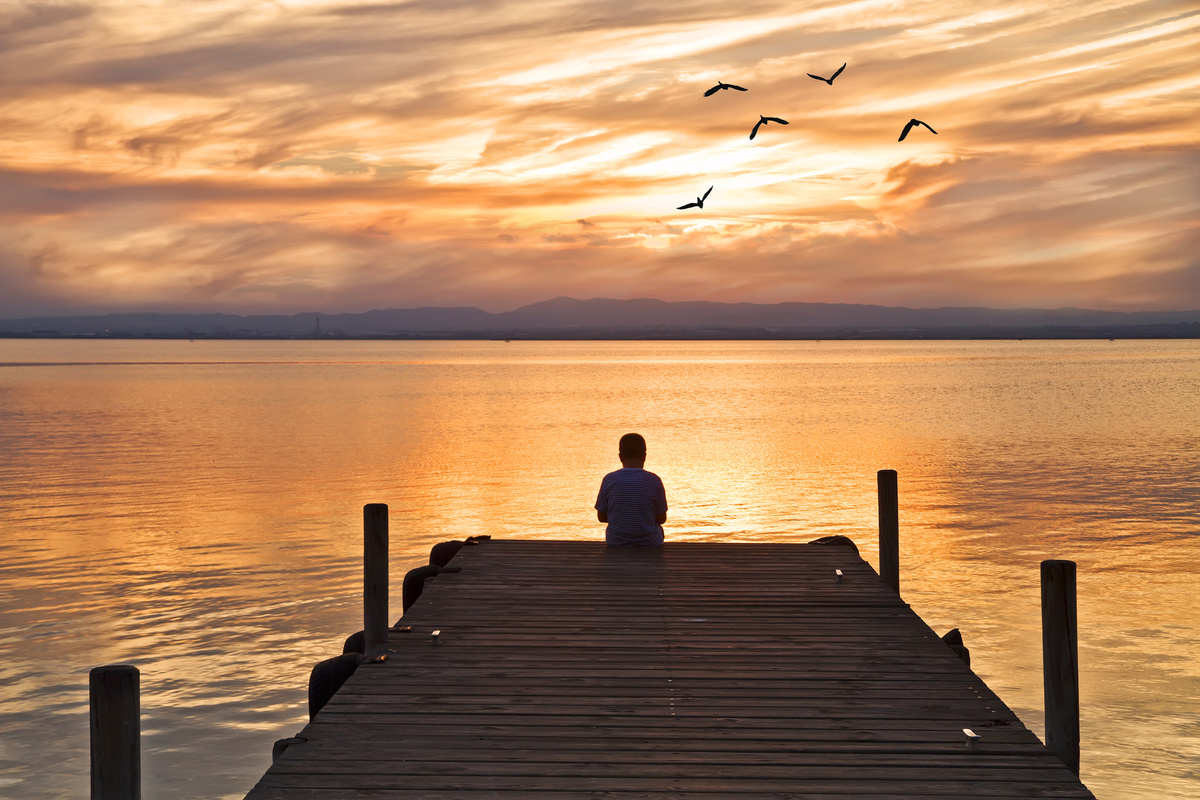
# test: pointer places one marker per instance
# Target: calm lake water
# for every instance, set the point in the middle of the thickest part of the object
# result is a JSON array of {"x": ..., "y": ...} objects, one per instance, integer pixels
[{"x": 195, "y": 509}]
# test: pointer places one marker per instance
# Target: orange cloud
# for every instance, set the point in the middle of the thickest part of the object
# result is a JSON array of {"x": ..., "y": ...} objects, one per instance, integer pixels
[{"x": 341, "y": 156}]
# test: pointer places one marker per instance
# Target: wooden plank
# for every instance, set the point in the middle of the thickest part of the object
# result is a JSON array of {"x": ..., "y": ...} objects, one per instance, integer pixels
[
  {"x": 740, "y": 787},
  {"x": 948, "y": 731},
  {"x": 378, "y": 771},
  {"x": 483, "y": 761},
  {"x": 430, "y": 746},
  {"x": 301, "y": 793},
  {"x": 473, "y": 695},
  {"x": 566, "y": 670}
]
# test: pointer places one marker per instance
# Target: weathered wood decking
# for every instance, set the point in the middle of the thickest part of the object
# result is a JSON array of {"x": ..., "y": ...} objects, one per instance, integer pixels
[{"x": 569, "y": 670}]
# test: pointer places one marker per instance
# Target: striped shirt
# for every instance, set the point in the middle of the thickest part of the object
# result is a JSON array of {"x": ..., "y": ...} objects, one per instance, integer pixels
[{"x": 631, "y": 497}]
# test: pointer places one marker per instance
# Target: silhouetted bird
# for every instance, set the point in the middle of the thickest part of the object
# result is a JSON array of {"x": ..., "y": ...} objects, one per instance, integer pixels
[
  {"x": 909, "y": 126},
  {"x": 763, "y": 121},
  {"x": 721, "y": 86},
  {"x": 699, "y": 201},
  {"x": 828, "y": 80}
]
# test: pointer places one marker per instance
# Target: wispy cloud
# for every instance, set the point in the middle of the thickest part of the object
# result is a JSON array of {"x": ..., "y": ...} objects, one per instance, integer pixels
[{"x": 344, "y": 155}]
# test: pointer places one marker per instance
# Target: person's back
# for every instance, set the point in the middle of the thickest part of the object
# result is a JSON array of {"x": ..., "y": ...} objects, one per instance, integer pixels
[{"x": 632, "y": 501}]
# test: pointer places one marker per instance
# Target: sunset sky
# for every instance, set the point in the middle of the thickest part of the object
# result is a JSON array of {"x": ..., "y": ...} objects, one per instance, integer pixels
[{"x": 323, "y": 155}]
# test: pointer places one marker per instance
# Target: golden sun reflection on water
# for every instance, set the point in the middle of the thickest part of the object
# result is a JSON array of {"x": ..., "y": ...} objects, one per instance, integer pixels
[{"x": 195, "y": 509}]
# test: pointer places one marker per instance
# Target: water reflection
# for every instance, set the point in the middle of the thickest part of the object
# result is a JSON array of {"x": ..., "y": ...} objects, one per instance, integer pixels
[{"x": 194, "y": 508}]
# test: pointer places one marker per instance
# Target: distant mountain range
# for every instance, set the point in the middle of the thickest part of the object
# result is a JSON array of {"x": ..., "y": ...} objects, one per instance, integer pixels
[{"x": 564, "y": 317}]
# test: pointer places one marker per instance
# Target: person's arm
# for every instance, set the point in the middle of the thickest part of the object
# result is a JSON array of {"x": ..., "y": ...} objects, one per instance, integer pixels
[
  {"x": 602, "y": 502},
  {"x": 659, "y": 518}
]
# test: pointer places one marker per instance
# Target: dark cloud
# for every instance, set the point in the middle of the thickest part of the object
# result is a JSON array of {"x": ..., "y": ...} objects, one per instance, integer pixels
[
  {"x": 171, "y": 140},
  {"x": 20, "y": 295},
  {"x": 19, "y": 17},
  {"x": 82, "y": 135}
]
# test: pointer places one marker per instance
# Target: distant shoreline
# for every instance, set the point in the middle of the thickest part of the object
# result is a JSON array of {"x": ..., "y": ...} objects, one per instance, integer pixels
[
  {"x": 1186, "y": 330},
  {"x": 646, "y": 319}
]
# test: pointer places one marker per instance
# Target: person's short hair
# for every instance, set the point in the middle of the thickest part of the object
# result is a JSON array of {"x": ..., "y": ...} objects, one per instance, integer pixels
[{"x": 632, "y": 445}]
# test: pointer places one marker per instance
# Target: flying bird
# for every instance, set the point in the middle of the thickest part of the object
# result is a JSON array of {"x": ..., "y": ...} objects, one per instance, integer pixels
[
  {"x": 909, "y": 126},
  {"x": 828, "y": 80},
  {"x": 699, "y": 201},
  {"x": 721, "y": 86},
  {"x": 763, "y": 121}
]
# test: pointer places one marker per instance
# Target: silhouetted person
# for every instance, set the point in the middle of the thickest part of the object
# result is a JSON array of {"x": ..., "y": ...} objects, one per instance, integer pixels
[{"x": 632, "y": 501}]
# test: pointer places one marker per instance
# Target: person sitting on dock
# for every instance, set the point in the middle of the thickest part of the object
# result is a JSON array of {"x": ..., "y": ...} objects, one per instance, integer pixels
[{"x": 632, "y": 501}]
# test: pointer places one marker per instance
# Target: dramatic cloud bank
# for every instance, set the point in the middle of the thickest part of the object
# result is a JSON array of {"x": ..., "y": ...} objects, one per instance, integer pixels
[{"x": 314, "y": 154}]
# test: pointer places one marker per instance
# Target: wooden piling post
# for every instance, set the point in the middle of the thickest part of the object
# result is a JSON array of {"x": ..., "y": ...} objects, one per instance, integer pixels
[
  {"x": 375, "y": 576},
  {"x": 889, "y": 529},
  {"x": 1060, "y": 661},
  {"x": 116, "y": 731}
]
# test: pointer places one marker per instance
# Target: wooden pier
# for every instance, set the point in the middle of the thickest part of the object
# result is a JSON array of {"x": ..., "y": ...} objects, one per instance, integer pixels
[{"x": 571, "y": 670}]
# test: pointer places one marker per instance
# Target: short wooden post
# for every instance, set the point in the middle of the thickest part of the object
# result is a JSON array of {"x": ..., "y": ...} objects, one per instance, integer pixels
[
  {"x": 1060, "y": 661},
  {"x": 116, "y": 731},
  {"x": 889, "y": 529},
  {"x": 375, "y": 575}
]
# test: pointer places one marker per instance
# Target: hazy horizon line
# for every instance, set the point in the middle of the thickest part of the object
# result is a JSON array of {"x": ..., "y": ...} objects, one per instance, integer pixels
[{"x": 76, "y": 314}]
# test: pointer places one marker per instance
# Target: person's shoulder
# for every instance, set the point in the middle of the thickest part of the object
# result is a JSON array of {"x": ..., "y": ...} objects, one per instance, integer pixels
[{"x": 648, "y": 478}]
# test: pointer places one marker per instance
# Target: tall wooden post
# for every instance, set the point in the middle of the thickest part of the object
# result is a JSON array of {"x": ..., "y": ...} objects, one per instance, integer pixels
[
  {"x": 1060, "y": 661},
  {"x": 116, "y": 730},
  {"x": 889, "y": 530},
  {"x": 375, "y": 575}
]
